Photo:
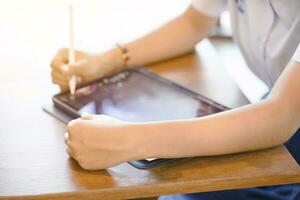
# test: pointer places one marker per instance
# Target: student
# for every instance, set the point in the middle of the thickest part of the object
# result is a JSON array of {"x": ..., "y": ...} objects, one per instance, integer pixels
[{"x": 268, "y": 34}]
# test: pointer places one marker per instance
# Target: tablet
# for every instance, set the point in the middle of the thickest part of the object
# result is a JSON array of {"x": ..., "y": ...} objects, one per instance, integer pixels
[{"x": 137, "y": 95}]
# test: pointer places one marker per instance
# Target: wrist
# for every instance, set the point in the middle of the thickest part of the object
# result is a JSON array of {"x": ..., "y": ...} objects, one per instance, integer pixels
[
  {"x": 120, "y": 55},
  {"x": 158, "y": 139},
  {"x": 137, "y": 135},
  {"x": 147, "y": 141},
  {"x": 133, "y": 138},
  {"x": 114, "y": 57},
  {"x": 108, "y": 63}
]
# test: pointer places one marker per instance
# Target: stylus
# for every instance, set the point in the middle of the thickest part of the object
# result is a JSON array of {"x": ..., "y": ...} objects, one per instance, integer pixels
[{"x": 71, "y": 56}]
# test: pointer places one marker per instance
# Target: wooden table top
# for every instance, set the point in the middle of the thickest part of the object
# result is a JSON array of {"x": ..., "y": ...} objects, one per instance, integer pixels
[{"x": 33, "y": 162}]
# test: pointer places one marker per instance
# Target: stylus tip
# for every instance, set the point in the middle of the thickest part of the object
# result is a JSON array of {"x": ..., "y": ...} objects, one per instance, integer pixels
[{"x": 72, "y": 85}]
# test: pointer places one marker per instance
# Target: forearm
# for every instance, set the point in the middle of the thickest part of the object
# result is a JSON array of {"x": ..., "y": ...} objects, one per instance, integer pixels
[
  {"x": 175, "y": 38},
  {"x": 262, "y": 125},
  {"x": 247, "y": 128}
]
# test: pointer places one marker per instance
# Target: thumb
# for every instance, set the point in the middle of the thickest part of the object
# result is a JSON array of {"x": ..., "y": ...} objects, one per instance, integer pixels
[{"x": 72, "y": 69}]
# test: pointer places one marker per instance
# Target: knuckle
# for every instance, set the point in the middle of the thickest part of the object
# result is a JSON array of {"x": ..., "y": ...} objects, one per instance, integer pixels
[
  {"x": 74, "y": 127},
  {"x": 70, "y": 144},
  {"x": 73, "y": 147},
  {"x": 73, "y": 124},
  {"x": 73, "y": 151},
  {"x": 84, "y": 164},
  {"x": 69, "y": 152}
]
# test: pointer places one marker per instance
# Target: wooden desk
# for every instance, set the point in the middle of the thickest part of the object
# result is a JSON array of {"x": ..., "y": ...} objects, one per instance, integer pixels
[
  {"x": 34, "y": 165},
  {"x": 33, "y": 162}
]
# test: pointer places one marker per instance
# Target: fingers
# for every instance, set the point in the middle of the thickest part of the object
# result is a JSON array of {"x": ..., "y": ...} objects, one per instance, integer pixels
[
  {"x": 58, "y": 78},
  {"x": 72, "y": 130},
  {"x": 65, "y": 70},
  {"x": 60, "y": 59},
  {"x": 62, "y": 72},
  {"x": 73, "y": 69},
  {"x": 63, "y": 88},
  {"x": 72, "y": 125},
  {"x": 62, "y": 81},
  {"x": 71, "y": 152},
  {"x": 78, "y": 79},
  {"x": 68, "y": 150},
  {"x": 67, "y": 142},
  {"x": 68, "y": 71}
]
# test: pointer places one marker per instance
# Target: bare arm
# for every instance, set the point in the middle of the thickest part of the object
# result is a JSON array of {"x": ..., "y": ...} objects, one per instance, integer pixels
[
  {"x": 257, "y": 126},
  {"x": 262, "y": 125},
  {"x": 175, "y": 38}
]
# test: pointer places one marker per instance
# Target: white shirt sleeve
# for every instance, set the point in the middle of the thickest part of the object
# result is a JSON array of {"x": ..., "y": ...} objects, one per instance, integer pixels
[
  {"x": 296, "y": 56},
  {"x": 210, "y": 7}
]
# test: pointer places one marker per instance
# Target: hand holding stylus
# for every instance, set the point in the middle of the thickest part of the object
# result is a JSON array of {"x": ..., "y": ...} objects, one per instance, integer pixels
[
  {"x": 70, "y": 67},
  {"x": 87, "y": 68}
]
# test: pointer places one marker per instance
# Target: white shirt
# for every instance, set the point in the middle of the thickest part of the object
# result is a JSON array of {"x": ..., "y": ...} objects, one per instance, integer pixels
[{"x": 267, "y": 32}]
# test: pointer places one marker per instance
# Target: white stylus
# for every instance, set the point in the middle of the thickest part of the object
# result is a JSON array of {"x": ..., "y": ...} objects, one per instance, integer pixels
[{"x": 71, "y": 55}]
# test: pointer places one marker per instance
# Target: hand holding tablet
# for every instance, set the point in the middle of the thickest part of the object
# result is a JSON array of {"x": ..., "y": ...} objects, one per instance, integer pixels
[
  {"x": 96, "y": 143},
  {"x": 129, "y": 98}
]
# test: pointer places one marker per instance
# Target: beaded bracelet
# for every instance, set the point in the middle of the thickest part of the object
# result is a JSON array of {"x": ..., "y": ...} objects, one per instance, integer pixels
[{"x": 124, "y": 52}]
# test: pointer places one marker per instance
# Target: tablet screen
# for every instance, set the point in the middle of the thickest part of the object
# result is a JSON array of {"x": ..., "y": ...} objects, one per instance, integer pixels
[{"x": 135, "y": 97}]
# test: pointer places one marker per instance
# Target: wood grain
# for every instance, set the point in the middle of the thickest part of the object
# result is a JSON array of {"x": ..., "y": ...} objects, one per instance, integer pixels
[
  {"x": 33, "y": 162},
  {"x": 269, "y": 167}
]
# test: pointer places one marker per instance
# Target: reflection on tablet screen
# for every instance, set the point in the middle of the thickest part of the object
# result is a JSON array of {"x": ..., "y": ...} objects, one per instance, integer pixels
[{"x": 131, "y": 96}]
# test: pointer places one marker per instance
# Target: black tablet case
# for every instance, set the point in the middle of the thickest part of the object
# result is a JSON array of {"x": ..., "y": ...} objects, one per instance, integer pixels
[{"x": 61, "y": 114}]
